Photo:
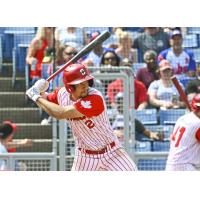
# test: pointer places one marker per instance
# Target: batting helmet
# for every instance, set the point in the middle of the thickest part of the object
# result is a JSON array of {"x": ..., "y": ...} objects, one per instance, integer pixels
[
  {"x": 195, "y": 104},
  {"x": 75, "y": 74}
]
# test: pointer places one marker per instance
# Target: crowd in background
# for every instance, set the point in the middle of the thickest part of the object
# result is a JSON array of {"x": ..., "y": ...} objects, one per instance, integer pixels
[
  {"x": 149, "y": 45},
  {"x": 159, "y": 53}
]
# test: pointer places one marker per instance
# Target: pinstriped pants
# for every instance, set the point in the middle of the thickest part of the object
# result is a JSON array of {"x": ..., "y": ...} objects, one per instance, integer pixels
[{"x": 115, "y": 159}]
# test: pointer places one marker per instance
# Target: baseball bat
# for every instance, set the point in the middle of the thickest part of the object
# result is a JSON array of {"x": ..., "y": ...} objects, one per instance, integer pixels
[
  {"x": 181, "y": 92},
  {"x": 98, "y": 40}
]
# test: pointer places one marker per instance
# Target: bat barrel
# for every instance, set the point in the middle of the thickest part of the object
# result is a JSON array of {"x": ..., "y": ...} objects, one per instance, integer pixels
[
  {"x": 181, "y": 92},
  {"x": 98, "y": 40}
]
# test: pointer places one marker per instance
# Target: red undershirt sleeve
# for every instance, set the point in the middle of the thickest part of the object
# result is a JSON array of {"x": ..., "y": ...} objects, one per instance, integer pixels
[{"x": 52, "y": 97}]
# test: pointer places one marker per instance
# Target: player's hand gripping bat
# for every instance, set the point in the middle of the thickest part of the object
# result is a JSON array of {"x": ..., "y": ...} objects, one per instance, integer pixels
[{"x": 98, "y": 40}]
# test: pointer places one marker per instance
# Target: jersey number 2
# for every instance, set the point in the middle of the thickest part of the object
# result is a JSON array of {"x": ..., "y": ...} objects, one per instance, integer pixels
[
  {"x": 177, "y": 135},
  {"x": 89, "y": 124}
]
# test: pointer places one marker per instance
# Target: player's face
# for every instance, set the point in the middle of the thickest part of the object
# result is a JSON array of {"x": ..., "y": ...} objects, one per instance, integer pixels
[{"x": 81, "y": 90}]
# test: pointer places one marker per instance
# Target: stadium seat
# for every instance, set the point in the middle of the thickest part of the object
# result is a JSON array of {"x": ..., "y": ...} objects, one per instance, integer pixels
[
  {"x": 2, "y": 29},
  {"x": 19, "y": 30},
  {"x": 142, "y": 146},
  {"x": 193, "y": 30},
  {"x": 21, "y": 43},
  {"x": 9, "y": 33},
  {"x": 161, "y": 146},
  {"x": 196, "y": 52},
  {"x": 23, "y": 40},
  {"x": 185, "y": 80},
  {"x": 153, "y": 164},
  {"x": 147, "y": 116},
  {"x": 165, "y": 129},
  {"x": 190, "y": 41},
  {"x": 170, "y": 116}
]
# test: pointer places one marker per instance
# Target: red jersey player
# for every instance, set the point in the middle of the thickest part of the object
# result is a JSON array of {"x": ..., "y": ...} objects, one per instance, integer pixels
[
  {"x": 97, "y": 147},
  {"x": 184, "y": 154}
]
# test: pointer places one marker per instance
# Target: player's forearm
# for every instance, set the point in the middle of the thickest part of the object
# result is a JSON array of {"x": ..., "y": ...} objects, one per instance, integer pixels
[
  {"x": 52, "y": 109},
  {"x": 57, "y": 111}
]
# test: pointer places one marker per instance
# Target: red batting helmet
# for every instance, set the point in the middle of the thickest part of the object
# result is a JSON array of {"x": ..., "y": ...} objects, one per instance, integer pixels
[
  {"x": 195, "y": 104},
  {"x": 75, "y": 74}
]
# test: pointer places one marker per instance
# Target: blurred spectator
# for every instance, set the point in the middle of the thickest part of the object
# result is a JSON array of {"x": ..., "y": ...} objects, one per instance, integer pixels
[
  {"x": 124, "y": 49},
  {"x": 72, "y": 36},
  {"x": 108, "y": 59},
  {"x": 94, "y": 57},
  {"x": 7, "y": 130},
  {"x": 153, "y": 38},
  {"x": 126, "y": 62},
  {"x": 162, "y": 93},
  {"x": 115, "y": 33},
  {"x": 36, "y": 51},
  {"x": 64, "y": 54},
  {"x": 141, "y": 97},
  {"x": 170, "y": 29},
  {"x": 193, "y": 86},
  {"x": 12, "y": 145},
  {"x": 149, "y": 73},
  {"x": 180, "y": 59}
]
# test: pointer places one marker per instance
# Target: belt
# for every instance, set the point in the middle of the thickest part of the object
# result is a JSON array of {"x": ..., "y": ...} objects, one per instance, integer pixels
[{"x": 101, "y": 151}]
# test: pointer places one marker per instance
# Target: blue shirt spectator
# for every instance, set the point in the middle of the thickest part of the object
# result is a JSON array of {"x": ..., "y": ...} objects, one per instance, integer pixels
[{"x": 181, "y": 60}]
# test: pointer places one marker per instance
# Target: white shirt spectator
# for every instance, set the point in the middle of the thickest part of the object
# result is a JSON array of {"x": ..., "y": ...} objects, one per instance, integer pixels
[{"x": 162, "y": 92}]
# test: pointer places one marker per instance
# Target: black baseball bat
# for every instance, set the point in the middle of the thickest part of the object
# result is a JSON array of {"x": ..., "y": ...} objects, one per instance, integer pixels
[{"x": 98, "y": 40}]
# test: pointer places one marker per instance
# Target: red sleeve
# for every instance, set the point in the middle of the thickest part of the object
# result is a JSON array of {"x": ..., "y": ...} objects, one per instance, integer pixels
[
  {"x": 90, "y": 106},
  {"x": 198, "y": 134},
  {"x": 52, "y": 97}
]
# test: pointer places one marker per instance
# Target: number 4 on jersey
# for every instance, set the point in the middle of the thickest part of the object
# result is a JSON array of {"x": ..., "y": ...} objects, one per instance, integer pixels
[{"x": 177, "y": 135}]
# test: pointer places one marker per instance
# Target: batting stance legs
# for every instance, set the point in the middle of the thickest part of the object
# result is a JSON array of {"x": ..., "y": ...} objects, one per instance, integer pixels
[{"x": 113, "y": 160}]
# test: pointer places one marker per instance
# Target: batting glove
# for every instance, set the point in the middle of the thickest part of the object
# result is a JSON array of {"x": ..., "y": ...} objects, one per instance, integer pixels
[
  {"x": 42, "y": 85},
  {"x": 33, "y": 93}
]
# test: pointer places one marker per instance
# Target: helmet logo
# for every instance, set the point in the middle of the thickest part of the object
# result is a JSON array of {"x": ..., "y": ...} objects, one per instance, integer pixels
[{"x": 83, "y": 72}]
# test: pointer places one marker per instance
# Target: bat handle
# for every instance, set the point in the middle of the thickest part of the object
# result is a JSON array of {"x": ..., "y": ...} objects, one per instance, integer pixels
[{"x": 58, "y": 71}]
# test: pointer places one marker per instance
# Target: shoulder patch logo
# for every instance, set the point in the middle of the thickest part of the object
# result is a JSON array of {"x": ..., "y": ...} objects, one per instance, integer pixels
[{"x": 86, "y": 104}]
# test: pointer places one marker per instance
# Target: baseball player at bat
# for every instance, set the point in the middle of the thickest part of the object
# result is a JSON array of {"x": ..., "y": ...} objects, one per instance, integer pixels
[
  {"x": 184, "y": 154},
  {"x": 97, "y": 147}
]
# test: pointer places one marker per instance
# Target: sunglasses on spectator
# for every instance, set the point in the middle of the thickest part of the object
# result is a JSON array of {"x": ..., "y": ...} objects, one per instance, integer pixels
[
  {"x": 71, "y": 53},
  {"x": 110, "y": 58}
]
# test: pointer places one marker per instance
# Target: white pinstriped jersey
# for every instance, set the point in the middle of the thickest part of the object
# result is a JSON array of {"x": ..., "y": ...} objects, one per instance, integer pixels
[
  {"x": 185, "y": 141},
  {"x": 93, "y": 131}
]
